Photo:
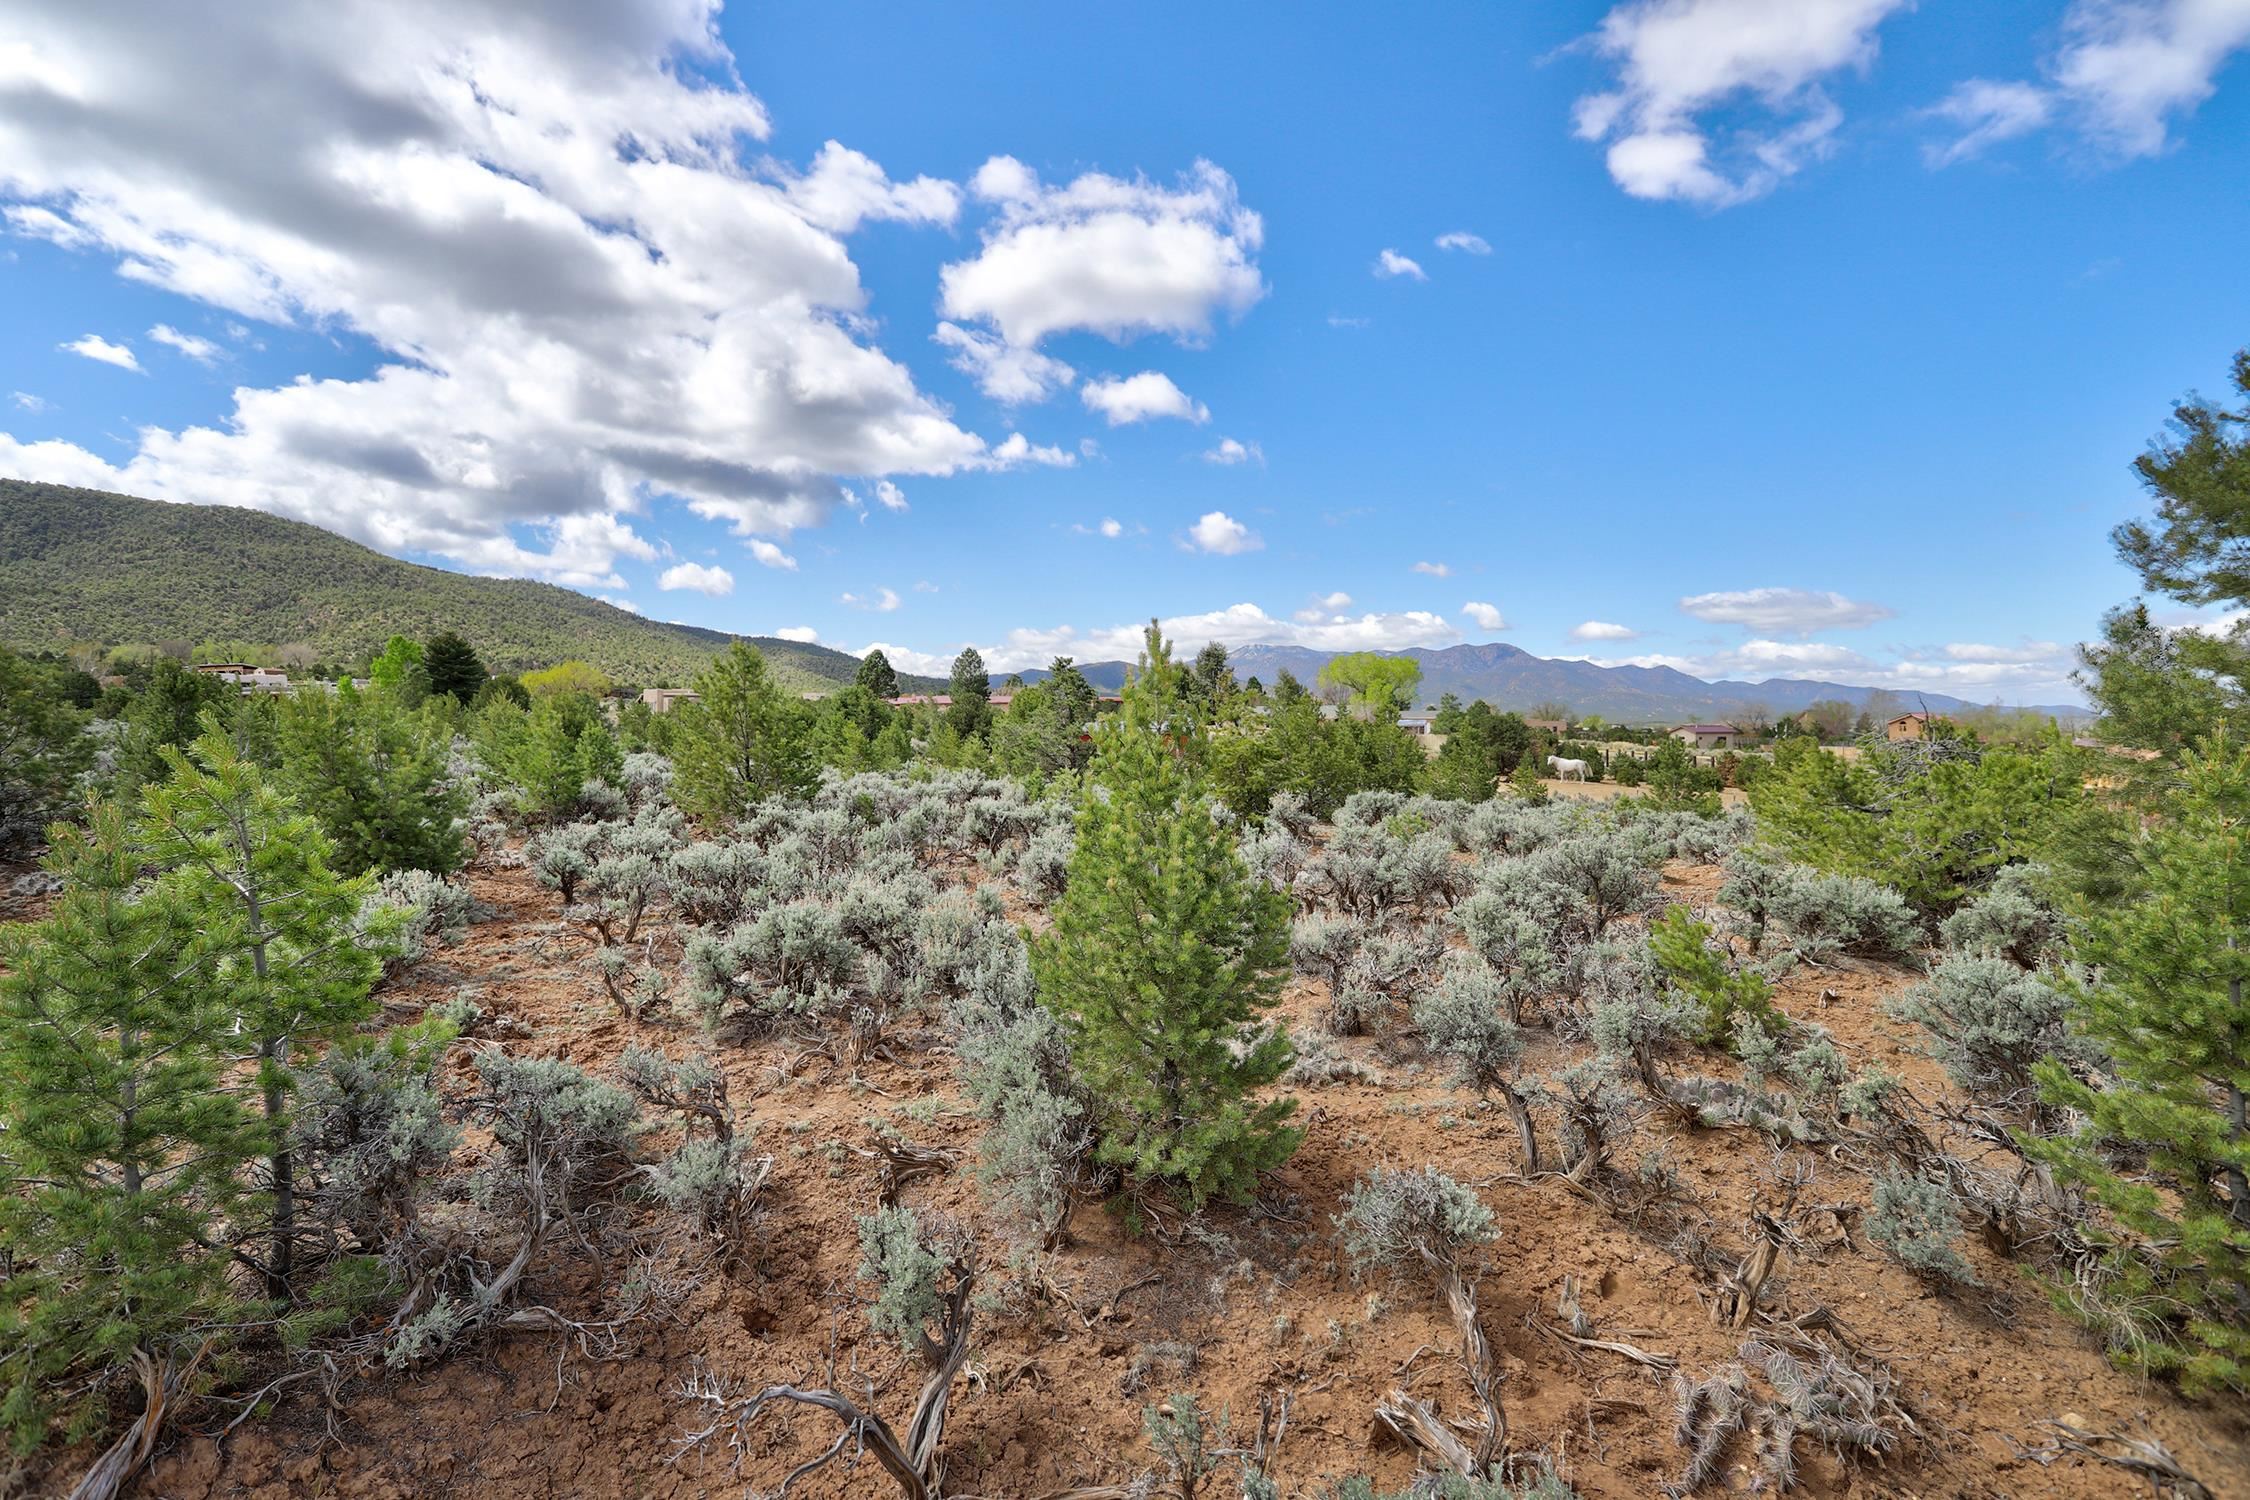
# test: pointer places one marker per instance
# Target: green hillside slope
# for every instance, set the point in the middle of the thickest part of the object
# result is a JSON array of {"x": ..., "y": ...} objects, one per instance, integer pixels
[{"x": 85, "y": 565}]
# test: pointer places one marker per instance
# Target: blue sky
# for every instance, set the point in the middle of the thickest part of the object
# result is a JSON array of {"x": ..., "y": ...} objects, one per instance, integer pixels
[{"x": 1795, "y": 337}]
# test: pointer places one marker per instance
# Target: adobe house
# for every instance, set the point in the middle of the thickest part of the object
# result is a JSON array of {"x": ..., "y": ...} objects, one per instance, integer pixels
[
  {"x": 248, "y": 678},
  {"x": 1913, "y": 726},
  {"x": 660, "y": 700},
  {"x": 1706, "y": 736}
]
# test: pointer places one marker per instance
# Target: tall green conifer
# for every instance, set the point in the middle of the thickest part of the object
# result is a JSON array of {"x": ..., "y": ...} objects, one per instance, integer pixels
[
  {"x": 280, "y": 931},
  {"x": 118, "y": 1143},
  {"x": 2170, "y": 963},
  {"x": 1163, "y": 959}
]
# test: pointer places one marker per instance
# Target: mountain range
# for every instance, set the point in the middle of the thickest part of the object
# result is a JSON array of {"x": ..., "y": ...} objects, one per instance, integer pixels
[
  {"x": 1509, "y": 677},
  {"x": 86, "y": 565}
]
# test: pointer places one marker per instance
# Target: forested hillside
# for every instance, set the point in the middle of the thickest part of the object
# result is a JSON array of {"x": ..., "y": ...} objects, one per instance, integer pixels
[{"x": 86, "y": 565}]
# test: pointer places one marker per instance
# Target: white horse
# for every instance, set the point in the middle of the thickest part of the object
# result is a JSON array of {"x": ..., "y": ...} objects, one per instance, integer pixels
[{"x": 1566, "y": 770}]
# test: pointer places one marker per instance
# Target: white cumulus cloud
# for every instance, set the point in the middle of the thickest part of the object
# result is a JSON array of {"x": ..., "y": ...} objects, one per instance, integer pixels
[
  {"x": 2120, "y": 72},
  {"x": 1602, "y": 630},
  {"x": 1785, "y": 611},
  {"x": 770, "y": 556},
  {"x": 803, "y": 635},
  {"x": 1009, "y": 373},
  {"x": 202, "y": 350},
  {"x": 1016, "y": 449},
  {"x": 1679, "y": 62},
  {"x": 1434, "y": 569},
  {"x": 1485, "y": 616},
  {"x": 1114, "y": 256},
  {"x": 882, "y": 601},
  {"x": 1230, "y": 452},
  {"x": 717, "y": 582},
  {"x": 581, "y": 298},
  {"x": 93, "y": 346},
  {"x": 1141, "y": 398},
  {"x": 1217, "y": 532},
  {"x": 1390, "y": 263},
  {"x": 845, "y": 188}
]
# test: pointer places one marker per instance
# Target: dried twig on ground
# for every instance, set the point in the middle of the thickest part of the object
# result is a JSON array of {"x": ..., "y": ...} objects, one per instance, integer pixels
[
  {"x": 2143, "y": 1457},
  {"x": 124, "y": 1458},
  {"x": 1418, "y": 1426},
  {"x": 1738, "y": 1296}
]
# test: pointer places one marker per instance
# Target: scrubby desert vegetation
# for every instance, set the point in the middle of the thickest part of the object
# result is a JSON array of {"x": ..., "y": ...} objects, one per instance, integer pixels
[{"x": 463, "y": 1086}]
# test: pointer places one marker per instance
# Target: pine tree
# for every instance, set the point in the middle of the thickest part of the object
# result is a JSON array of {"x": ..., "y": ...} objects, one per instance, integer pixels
[
  {"x": 279, "y": 925},
  {"x": 43, "y": 749},
  {"x": 971, "y": 692},
  {"x": 118, "y": 1146},
  {"x": 2168, "y": 1005},
  {"x": 374, "y": 775},
  {"x": 453, "y": 666},
  {"x": 744, "y": 741},
  {"x": 1163, "y": 958},
  {"x": 877, "y": 675}
]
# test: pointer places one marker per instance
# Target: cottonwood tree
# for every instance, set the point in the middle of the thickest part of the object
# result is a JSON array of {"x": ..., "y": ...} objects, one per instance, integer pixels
[
  {"x": 281, "y": 941},
  {"x": 1377, "y": 683},
  {"x": 1164, "y": 956},
  {"x": 119, "y": 1145}
]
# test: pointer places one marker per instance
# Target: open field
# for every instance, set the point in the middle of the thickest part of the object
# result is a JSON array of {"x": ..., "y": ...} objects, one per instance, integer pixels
[{"x": 1244, "y": 1307}]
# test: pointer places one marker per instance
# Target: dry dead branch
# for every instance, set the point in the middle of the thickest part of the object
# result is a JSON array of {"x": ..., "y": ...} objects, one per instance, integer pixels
[
  {"x": 1419, "y": 1427},
  {"x": 899, "y": 1162},
  {"x": 1737, "y": 1302},
  {"x": 124, "y": 1458},
  {"x": 2143, "y": 1457}
]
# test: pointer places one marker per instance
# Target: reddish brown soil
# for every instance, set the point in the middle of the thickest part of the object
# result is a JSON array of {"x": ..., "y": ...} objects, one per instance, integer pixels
[{"x": 1054, "y": 1392}]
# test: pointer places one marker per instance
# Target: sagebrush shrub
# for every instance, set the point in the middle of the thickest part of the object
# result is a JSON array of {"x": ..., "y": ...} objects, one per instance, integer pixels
[
  {"x": 1610, "y": 873},
  {"x": 2012, "y": 918},
  {"x": 914, "y": 1266},
  {"x": 1829, "y": 914},
  {"x": 1043, "y": 869},
  {"x": 712, "y": 883},
  {"x": 1321, "y": 945},
  {"x": 1395, "y": 1216},
  {"x": 1914, "y": 1221},
  {"x": 1463, "y": 1019},
  {"x": 436, "y": 910},
  {"x": 1990, "y": 1023}
]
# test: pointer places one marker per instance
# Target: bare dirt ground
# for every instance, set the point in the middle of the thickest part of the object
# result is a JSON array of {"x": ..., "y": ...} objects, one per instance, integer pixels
[
  {"x": 1257, "y": 1304},
  {"x": 1608, "y": 791}
]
